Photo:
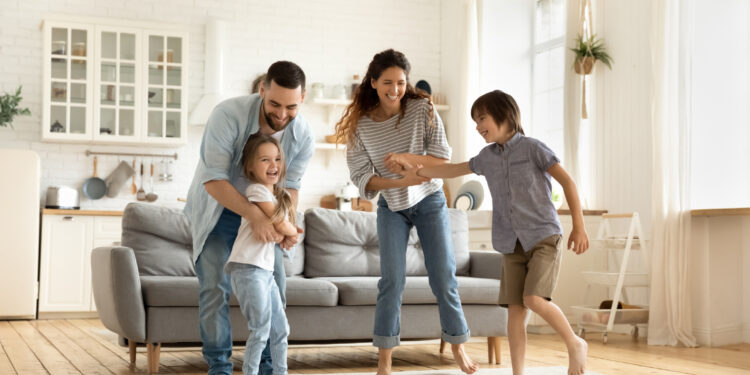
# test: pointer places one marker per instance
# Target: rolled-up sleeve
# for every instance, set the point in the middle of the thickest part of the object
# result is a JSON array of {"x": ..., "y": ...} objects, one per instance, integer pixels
[
  {"x": 217, "y": 147},
  {"x": 476, "y": 164},
  {"x": 361, "y": 169},
  {"x": 543, "y": 156},
  {"x": 435, "y": 141},
  {"x": 296, "y": 167}
]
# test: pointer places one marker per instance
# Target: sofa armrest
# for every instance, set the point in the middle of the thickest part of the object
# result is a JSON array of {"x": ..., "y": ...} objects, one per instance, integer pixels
[
  {"x": 486, "y": 264},
  {"x": 117, "y": 291}
]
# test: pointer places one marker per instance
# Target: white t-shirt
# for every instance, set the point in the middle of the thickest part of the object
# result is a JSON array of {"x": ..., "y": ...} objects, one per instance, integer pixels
[{"x": 247, "y": 249}]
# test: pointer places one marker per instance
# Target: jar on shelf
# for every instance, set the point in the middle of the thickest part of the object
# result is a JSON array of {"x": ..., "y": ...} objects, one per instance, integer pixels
[
  {"x": 58, "y": 47},
  {"x": 355, "y": 85},
  {"x": 78, "y": 49}
]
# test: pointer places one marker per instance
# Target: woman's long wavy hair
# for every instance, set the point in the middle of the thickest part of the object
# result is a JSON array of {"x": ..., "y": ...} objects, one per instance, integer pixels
[
  {"x": 249, "y": 153},
  {"x": 366, "y": 97}
]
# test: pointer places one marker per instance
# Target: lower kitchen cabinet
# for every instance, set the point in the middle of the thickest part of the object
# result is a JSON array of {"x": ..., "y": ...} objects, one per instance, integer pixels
[{"x": 65, "y": 269}]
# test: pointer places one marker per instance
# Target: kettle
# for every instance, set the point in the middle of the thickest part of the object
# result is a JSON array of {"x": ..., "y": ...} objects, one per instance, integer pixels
[
  {"x": 344, "y": 195},
  {"x": 62, "y": 197}
]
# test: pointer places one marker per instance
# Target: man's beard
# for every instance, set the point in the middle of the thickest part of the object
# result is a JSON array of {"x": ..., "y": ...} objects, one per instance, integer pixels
[{"x": 269, "y": 121}]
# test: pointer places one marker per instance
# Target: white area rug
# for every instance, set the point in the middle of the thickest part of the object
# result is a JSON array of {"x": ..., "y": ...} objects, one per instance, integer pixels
[{"x": 492, "y": 371}]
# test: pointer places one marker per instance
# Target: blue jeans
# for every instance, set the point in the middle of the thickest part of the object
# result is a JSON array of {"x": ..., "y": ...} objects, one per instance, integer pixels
[
  {"x": 430, "y": 217},
  {"x": 215, "y": 289},
  {"x": 261, "y": 305}
]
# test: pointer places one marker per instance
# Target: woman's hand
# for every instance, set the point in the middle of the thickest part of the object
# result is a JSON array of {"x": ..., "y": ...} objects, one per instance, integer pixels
[
  {"x": 396, "y": 163},
  {"x": 410, "y": 177}
]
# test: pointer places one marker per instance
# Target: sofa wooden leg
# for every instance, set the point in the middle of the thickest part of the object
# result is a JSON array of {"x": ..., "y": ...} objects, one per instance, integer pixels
[
  {"x": 152, "y": 353},
  {"x": 493, "y": 349},
  {"x": 131, "y": 347},
  {"x": 442, "y": 346}
]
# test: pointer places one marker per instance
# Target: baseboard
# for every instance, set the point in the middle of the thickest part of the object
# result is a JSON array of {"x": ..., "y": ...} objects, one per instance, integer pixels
[
  {"x": 746, "y": 333},
  {"x": 727, "y": 335},
  {"x": 68, "y": 315}
]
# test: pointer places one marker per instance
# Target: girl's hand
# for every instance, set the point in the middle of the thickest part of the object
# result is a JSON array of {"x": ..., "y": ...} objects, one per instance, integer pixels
[
  {"x": 289, "y": 241},
  {"x": 578, "y": 241}
]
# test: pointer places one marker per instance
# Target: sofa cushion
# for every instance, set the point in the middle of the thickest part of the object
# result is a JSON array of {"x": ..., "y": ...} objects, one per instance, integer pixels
[
  {"x": 160, "y": 238},
  {"x": 295, "y": 262},
  {"x": 183, "y": 291},
  {"x": 311, "y": 292},
  {"x": 339, "y": 243},
  {"x": 358, "y": 291}
]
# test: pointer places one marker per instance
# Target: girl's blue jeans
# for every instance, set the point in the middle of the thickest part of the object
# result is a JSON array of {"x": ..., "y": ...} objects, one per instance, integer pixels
[
  {"x": 430, "y": 217},
  {"x": 261, "y": 305}
]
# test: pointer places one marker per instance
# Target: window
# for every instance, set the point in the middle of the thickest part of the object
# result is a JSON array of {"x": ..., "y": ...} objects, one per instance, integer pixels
[{"x": 548, "y": 74}]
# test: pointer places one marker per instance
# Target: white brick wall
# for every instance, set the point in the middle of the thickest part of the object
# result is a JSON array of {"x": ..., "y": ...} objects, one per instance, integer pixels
[{"x": 331, "y": 40}]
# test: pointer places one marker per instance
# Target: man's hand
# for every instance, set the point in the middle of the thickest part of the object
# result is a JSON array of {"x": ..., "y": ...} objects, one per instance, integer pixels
[
  {"x": 578, "y": 241},
  {"x": 396, "y": 163},
  {"x": 289, "y": 241},
  {"x": 264, "y": 231}
]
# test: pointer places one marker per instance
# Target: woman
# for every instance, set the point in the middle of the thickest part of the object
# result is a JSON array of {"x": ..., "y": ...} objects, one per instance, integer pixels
[{"x": 389, "y": 126}]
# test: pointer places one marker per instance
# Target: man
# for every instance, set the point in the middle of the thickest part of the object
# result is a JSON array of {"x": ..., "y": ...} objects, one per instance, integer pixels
[{"x": 216, "y": 201}]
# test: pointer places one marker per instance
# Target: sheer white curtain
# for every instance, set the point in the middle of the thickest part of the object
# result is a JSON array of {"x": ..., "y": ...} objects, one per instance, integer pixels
[
  {"x": 670, "y": 321},
  {"x": 572, "y": 110}
]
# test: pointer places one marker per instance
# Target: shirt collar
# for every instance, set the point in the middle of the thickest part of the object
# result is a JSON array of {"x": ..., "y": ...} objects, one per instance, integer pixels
[{"x": 513, "y": 141}]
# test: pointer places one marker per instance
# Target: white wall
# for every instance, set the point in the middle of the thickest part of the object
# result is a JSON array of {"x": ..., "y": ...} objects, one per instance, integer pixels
[
  {"x": 720, "y": 279},
  {"x": 330, "y": 40}
]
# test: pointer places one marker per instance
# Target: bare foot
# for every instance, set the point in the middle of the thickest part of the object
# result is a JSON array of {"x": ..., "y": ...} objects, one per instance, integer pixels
[
  {"x": 464, "y": 362},
  {"x": 577, "y": 357},
  {"x": 384, "y": 361}
]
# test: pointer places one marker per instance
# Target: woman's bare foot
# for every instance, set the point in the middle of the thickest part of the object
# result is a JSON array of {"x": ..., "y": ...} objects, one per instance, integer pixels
[
  {"x": 384, "y": 361},
  {"x": 577, "y": 357},
  {"x": 464, "y": 362}
]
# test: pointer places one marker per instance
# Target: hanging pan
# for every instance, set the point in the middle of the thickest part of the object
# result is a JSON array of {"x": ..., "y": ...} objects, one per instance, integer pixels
[{"x": 94, "y": 187}]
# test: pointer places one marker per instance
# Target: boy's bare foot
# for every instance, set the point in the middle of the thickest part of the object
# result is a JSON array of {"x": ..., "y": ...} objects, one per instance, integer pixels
[
  {"x": 577, "y": 357},
  {"x": 384, "y": 361},
  {"x": 464, "y": 362}
]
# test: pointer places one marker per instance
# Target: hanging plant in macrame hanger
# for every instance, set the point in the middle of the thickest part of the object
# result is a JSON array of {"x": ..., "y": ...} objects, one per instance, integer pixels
[{"x": 588, "y": 49}]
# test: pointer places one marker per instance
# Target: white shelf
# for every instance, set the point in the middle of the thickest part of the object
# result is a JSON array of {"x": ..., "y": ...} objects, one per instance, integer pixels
[
  {"x": 594, "y": 316},
  {"x": 329, "y": 146},
  {"x": 615, "y": 244},
  {"x": 345, "y": 102},
  {"x": 610, "y": 278}
]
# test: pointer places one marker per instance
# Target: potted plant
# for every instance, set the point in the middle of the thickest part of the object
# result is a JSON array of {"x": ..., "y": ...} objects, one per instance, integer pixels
[
  {"x": 588, "y": 51},
  {"x": 9, "y": 108}
]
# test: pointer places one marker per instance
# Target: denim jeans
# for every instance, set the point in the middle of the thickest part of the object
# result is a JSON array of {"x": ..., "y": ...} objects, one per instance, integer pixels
[
  {"x": 261, "y": 305},
  {"x": 215, "y": 289},
  {"x": 430, "y": 217}
]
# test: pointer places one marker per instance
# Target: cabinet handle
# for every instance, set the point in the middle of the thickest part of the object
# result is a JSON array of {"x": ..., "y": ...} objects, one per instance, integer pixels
[
  {"x": 68, "y": 218},
  {"x": 483, "y": 246}
]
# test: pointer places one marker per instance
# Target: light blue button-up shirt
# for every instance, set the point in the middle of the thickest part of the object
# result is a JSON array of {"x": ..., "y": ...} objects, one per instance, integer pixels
[
  {"x": 521, "y": 190},
  {"x": 230, "y": 125}
]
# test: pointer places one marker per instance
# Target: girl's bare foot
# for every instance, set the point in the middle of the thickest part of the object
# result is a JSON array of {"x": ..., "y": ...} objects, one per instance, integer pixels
[
  {"x": 464, "y": 362},
  {"x": 384, "y": 361},
  {"x": 577, "y": 357}
]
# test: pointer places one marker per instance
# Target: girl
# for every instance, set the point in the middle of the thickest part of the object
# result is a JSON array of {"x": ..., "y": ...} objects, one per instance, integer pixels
[
  {"x": 525, "y": 226},
  {"x": 250, "y": 264},
  {"x": 387, "y": 125}
]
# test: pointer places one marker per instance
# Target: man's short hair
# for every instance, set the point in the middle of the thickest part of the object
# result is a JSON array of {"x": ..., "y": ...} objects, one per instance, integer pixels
[{"x": 286, "y": 74}]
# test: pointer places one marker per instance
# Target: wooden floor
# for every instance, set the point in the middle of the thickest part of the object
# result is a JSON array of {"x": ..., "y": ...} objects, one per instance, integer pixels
[{"x": 84, "y": 346}]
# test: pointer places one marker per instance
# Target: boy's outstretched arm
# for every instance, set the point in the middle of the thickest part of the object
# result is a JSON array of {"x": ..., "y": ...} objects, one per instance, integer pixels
[
  {"x": 447, "y": 170},
  {"x": 578, "y": 236}
]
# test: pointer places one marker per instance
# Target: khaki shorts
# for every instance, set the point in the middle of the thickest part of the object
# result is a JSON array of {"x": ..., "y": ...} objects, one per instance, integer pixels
[{"x": 531, "y": 273}]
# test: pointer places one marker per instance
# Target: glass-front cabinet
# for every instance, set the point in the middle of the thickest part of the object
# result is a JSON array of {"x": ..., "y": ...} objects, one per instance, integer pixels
[
  {"x": 166, "y": 116},
  {"x": 114, "y": 84},
  {"x": 67, "y": 87}
]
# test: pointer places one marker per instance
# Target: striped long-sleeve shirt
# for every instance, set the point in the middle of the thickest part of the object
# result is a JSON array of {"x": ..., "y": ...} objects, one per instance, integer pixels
[{"x": 414, "y": 134}]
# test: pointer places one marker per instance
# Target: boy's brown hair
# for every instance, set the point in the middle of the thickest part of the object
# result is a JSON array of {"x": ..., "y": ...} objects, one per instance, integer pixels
[{"x": 501, "y": 106}]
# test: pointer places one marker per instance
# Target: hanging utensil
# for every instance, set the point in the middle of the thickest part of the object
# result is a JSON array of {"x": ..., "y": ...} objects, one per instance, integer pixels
[
  {"x": 141, "y": 194},
  {"x": 94, "y": 187},
  {"x": 151, "y": 196},
  {"x": 133, "y": 187}
]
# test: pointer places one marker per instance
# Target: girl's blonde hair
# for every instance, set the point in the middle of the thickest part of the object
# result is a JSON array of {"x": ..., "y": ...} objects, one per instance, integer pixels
[
  {"x": 249, "y": 153},
  {"x": 366, "y": 98}
]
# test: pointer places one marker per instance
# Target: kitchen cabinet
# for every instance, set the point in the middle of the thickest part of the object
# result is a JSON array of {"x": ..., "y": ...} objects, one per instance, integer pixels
[
  {"x": 109, "y": 83},
  {"x": 65, "y": 268}
]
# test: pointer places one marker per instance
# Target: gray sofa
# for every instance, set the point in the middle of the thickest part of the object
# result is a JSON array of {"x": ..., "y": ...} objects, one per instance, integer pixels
[{"x": 146, "y": 290}]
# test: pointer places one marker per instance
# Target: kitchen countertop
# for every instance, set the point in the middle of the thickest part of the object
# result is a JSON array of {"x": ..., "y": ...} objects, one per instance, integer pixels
[
  {"x": 52, "y": 211},
  {"x": 721, "y": 211}
]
